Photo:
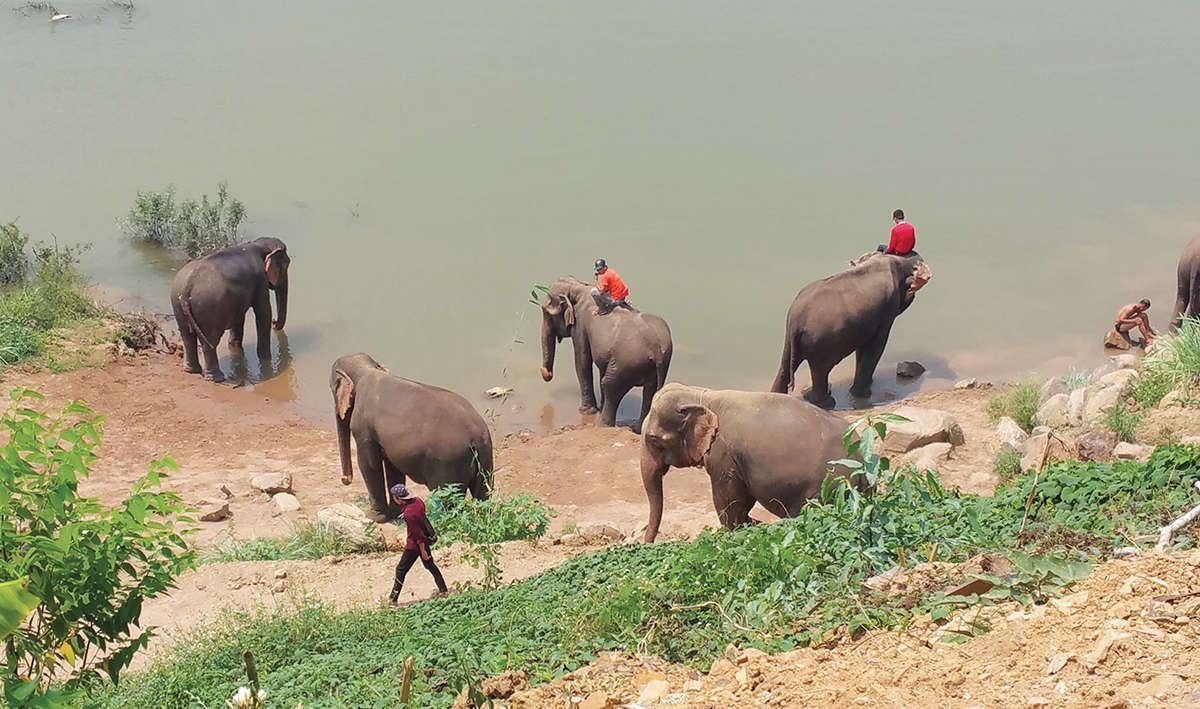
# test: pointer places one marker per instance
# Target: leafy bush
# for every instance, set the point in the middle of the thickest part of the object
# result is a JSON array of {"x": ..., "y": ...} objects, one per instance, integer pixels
[
  {"x": 198, "y": 228},
  {"x": 14, "y": 264},
  {"x": 1007, "y": 465},
  {"x": 306, "y": 541},
  {"x": 1177, "y": 361},
  {"x": 1122, "y": 421},
  {"x": 54, "y": 297},
  {"x": 90, "y": 567},
  {"x": 1018, "y": 401},
  {"x": 771, "y": 586},
  {"x": 1150, "y": 388},
  {"x": 491, "y": 521}
]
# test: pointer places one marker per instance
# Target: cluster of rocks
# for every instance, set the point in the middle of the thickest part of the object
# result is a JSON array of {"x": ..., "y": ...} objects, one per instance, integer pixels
[
  {"x": 277, "y": 486},
  {"x": 362, "y": 533},
  {"x": 926, "y": 441}
]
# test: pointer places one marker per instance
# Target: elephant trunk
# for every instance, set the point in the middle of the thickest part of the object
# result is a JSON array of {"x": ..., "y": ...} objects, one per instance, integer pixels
[
  {"x": 549, "y": 342},
  {"x": 343, "y": 429},
  {"x": 652, "y": 478},
  {"x": 281, "y": 300}
]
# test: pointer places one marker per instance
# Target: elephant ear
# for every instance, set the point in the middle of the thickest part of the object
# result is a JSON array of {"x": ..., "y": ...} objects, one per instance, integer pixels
[
  {"x": 275, "y": 265},
  {"x": 699, "y": 430},
  {"x": 343, "y": 393},
  {"x": 568, "y": 311}
]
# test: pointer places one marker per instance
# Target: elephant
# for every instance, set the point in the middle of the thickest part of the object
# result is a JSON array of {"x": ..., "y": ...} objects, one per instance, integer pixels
[
  {"x": 629, "y": 347},
  {"x": 405, "y": 429},
  {"x": 212, "y": 294},
  {"x": 773, "y": 449},
  {"x": 1187, "y": 278},
  {"x": 852, "y": 311}
]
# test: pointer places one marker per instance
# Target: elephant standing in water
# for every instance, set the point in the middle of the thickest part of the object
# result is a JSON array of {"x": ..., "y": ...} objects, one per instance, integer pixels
[
  {"x": 629, "y": 347},
  {"x": 405, "y": 429},
  {"x": 1187, "y": 279},
  {"x": 773, "y": 449},
  {"x": 212, "y": 294},
  {"x": 851, "y": 311}
]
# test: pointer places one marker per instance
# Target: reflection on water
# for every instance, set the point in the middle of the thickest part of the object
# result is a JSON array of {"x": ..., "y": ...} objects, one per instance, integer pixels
[{"x": 273, "y": 375}]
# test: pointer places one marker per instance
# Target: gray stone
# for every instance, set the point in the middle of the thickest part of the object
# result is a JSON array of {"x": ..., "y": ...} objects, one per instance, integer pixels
[
  {"x": 225, "y": 491},
  {"x": 601, "y": 533},
  {"x": 1106, "y": 368},
  {"x": 1126, "y": 361},
  {"x": 212, "y": 511},
  {"x": 931, "y": 457},
  {"x": 1053, "y": 412},
  {"x": 279, "y": 586},
  {"x": 1039, "y": 430},
  {"x": 272, "y": 483},
  {"x": 1115, "y": 340},
  {"x": 1096, "y": 445},
  {"x": 286, "y": 502},
  {"x": 1052, "y": 387},
  {"x": 1171, "y": 398},
  {"x": 280, "y": 573},
  {"x": 909, "y": 369},
  {"x": 1075, "y": 404},
  {"x": 1133, "y": 451},
  {"x": 969, "y": 383},
  {"x": 1099, "y": 401},
  {"x": 1121, "y": 378},
  {"x": 1010, "y": 435},
  {"x": 349, "y": 521},
  {"x": 1036, "y": 447},
  {"x": 924, "y": 426}
]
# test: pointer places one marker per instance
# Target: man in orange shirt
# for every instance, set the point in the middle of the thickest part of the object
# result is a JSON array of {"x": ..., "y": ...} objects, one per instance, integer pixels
[{"x": 610, "y": 290}]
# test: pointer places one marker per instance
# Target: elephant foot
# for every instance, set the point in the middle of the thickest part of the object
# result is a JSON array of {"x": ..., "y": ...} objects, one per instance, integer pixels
[
  {"x": 264, "y": 354},
  {"x": 379, "y": 517},
  {"x": 193, "y": 369},
  {"x": 588, "y": 409},
  {"x": 216, "y": 377},
  {"x": 864, "y": 393},
  {"x": 825, "y": 403}
]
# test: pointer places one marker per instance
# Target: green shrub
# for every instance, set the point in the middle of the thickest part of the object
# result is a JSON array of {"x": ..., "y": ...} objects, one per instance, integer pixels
[
  {"x": 1018, "y": 401},
  {"x": 1007, "y": 465},
  {"x": 1122, "y": 421},
  {"x": 306, "y": 541},
  {"x": 90, "y": 567},
  {"x": 197, "y": 228},
  {"x": 491, "y": 521},
  {"x": 1150, "y": 388},
  {"x": 54, "y": 297},
  {"x": 1077, "y": 379},
  {"x": 1177, "y": 360},
  {"x": 14, "y": 263}
]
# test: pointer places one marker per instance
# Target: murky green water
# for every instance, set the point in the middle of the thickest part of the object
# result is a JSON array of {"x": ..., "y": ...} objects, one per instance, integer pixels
[{"x": 428, "y": 162}]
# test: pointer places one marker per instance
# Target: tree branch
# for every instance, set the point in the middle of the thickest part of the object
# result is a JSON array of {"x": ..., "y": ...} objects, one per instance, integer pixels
[{"x": 1165, "y": 534}]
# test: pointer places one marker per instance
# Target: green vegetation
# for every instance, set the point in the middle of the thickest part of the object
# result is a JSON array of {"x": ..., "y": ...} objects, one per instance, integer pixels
[
  {"x": 83, "y": 569},
  {"x": 1122, "y": 421},
  {"x": 1150, "y": 387},
  {"x": 14, "y": 263},
  {"x": 1177, "y": 361},
  {"x": 491, "y": 521},
  {"x": 306, "y": 541},
  {"x": 1018, "y": 401},
  {"x": 1007, "y": 465},
  {"x": 1077, "y": 379},
  {"x": 197, "y": 228},
  {"x": 776, "y": 586}
]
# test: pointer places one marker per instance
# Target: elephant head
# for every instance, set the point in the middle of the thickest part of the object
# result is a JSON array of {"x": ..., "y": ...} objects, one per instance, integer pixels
[
  {"x": 343, "y": 380},
  {"x": 275, "y": 263},
  {"x": 678, "y": 432},
  {"x": 558, "y": 318}
]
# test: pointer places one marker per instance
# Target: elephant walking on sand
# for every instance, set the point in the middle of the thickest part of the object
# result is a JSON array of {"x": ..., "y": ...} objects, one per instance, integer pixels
[
  {"x": 852, "y": 311},
  {"x": 212, "y": 294},
  {"x": 405, "y": 429},
  {"x": 1187, "y": 279},
  {"x": 629, "y": 347},
  {"x": 773, "y": 449}
]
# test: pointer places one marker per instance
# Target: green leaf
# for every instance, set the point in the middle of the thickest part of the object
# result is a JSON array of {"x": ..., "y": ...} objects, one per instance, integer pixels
[{"x": 15, "y": 605}]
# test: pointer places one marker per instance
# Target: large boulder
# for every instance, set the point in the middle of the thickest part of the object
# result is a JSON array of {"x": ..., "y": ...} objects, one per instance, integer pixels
[
  {"x": 968, "y": 383},
  {"x": 1099, "y": 401},
  {"x": 1053, "y": 412},
  {"x": 1121, "y": 378},
  {"x": 1036, "y": 447},
  {"x": 1171, "y": 398},
  {"x": 1133, "y": 451},
  {"x": 350, "y": 522},
  {"x": 212, "y": 510},
  {"x": 1052, "y": 387},
  {"x": 1126, "y": 361},
  {"x": 909, "y": 370},
  {"x": 931, "y": 457},
  {"x": 1115, "y": 340},
  {"x": 1100, "y": 371},
  {"x": 1096, "y": 445},
  {"x": 1075, "y": 403},
  {"x": 1010, "y": 435},
  {"x": 924, "y": 426},
  {"x": 272, "y": 483},
  {"x": 286, "y": 502}
]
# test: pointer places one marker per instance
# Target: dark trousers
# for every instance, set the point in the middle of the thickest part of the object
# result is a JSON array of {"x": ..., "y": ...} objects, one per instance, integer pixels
[
  {"x": 605, "y": 302},
  {"x": 407, "y": 559}
]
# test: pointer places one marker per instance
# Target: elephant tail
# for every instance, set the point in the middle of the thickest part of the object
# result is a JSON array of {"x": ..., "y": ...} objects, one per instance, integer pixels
[
  {"x": 185, "y": 305},
  {"x": 788, "y": 362}
]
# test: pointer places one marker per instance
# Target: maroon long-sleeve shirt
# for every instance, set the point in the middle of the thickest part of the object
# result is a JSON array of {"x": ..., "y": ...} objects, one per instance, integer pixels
[{"x": 417, "y": 525}]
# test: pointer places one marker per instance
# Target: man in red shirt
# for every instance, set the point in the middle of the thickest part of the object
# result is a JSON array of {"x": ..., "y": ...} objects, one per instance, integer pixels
[
  {"x": 904, "y": 236},
  {"x": 419, "y": 535},
  {"x": 610, "y": 290}
]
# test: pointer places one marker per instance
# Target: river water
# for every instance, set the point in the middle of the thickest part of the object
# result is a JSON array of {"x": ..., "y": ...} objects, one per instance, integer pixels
[{"x": 428, "y": 163}]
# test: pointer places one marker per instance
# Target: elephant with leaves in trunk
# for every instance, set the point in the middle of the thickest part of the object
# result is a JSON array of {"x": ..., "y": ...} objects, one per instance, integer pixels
[
  {"x": 629, "y": 347},
  {"x": 852, "y": 311},
  {"x": 772, "y": 449},
  {"x": 405, "y": 429},
  {"x": 212, "y": 294}
]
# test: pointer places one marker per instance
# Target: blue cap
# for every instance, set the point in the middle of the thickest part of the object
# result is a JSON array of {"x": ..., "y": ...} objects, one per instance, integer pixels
[
  {"x": 399, "y": 491},
  {"x": 600, "y": 265}
]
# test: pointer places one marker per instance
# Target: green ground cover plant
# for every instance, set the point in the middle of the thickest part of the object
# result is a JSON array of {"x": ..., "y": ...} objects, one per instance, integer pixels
[
  {"x": 195, "y": 227},
  {"x": 491, "y": 521},
  {"x": 774, "y": 586},
  {"x": 1122, "y": 421},
  {"x": 1007, "y": 465},
  {"x": 306, "y": 541},
  {"x": 1018, "y": 401},
  {"x": 1150, "y": 387}
]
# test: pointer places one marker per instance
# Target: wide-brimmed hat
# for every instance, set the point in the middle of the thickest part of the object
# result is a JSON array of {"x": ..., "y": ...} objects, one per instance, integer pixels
[{"x": 399, "y": 491}]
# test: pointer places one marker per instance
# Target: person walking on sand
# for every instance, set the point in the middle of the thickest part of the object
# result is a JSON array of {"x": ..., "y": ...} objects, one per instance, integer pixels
[
  {"x": 1134, "y": 316},
  {"x": 904, "y": 236},
  {"x": 610, "y": 290},
  {"x": 419, "y": 537}
]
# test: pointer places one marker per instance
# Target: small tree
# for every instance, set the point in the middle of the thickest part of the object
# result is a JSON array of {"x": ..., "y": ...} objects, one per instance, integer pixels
[
  {"x": 89, "y": 567},
  {"x": 14, "y": 264}
]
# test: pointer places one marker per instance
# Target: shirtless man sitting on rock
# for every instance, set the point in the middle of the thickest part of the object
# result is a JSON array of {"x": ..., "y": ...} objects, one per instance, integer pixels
[{"x": 1134, "y": 316}]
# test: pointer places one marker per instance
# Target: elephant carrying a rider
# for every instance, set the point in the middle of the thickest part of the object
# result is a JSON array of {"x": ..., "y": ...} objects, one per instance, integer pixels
[
  {"x": 404, "y": 430},
  {"x": 210, "y": 295},
  {"x": 629, "y": 347},
  {"x": 852, "y": 311},
  {"x": 773, "y": 449}
]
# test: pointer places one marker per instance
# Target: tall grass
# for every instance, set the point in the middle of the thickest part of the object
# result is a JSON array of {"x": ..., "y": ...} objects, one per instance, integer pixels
[
  {"x": 1178, "y": 356},
  {"x": 1018, "y": 401},
  {"x": 1077, "y": 379},
  {"x": 306, "y": 541},
  {"x": 197, "y": 228},
  {"x": 1122, "y": 421}
]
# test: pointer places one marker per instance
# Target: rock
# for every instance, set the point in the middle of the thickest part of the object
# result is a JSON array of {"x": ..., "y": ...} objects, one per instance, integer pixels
[
  {"x": 969, "y": 383},
  {"x": 1037, "y": 702},
  {"x": 1035, "y": 447},
  {"x": 1190, "y": 440},
  {"x": 211, "y": 511},
  {"x": 931, "y": 457},
  {"x": 1099, "y": 401},
  {"x": 693, "y": 685},
  {"x": 225, "y": 491},
  {"x": 1096, "y": 445},
  {"x": 349, "y": 521},
  {"x": 272, "y": 483},
  {"x": 572, "y": 540},
  {"x": 1052, "y": 387},
  {"x": 1053, "y": 412},
  {"x": 1106, "y": 368},
  {"x": 924, "y": 426},
  {"x": 1171, "y": 398},
  {"x": 1039, "y": 431},
  {"x": 1075, "y": 403},
  {"x": 1109, "y": 638},
  {"x": 601, "y": 533},
  {"x": 1115, "y": 340},
  {"x": 1126, "y": 361},
  {"x": 498, "y": 392},
  {"x": 279, "y": 586},
  {"x": 280, "y": 573},
  {"x": 503, "y": 685},
  {"x": 1057, "y": 662},
  {"x": 1010, "y": 435},
  {"x": 1121, "y": 378},
  {"x": 653, "y": 691},
  {"x": 391, "y": 536},
  {"x": 286, "y": 502},
  {"x": 1133, "y": 451},
  {"x": 909, "y": 369},
  {"x": 599, "y": 700}
]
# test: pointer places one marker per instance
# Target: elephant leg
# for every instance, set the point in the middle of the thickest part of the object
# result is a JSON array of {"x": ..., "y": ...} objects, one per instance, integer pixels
[
  {"x": 649, "y": 389},
  {"x": 262, "y": 324},
  {"x": 370, "y": 466},
  {"x": 191, "y": 358},
  {"x": 236, "y": 332},
  {"x": 212, "y": 365},
  {"x": 731, "y": 499},
  {"x": 865, "y": 361},
  {"x": 614, "y": 388},
  {"x": 819, "y": 393},
  {"x": 391, "y": 476},
  {"x": 583, "y": 371}
]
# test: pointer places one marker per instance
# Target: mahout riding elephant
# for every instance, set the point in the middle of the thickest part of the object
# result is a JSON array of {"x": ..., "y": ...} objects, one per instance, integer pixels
[
  {"x": 212, "y": 294},
  {"x": 852, "y": 311},
  {"x": 773, "y": 449},
  {"x": 405, "y": 429},
  {"x": 1187, "y": 279},
  {"x": 629, "y": 347}
]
